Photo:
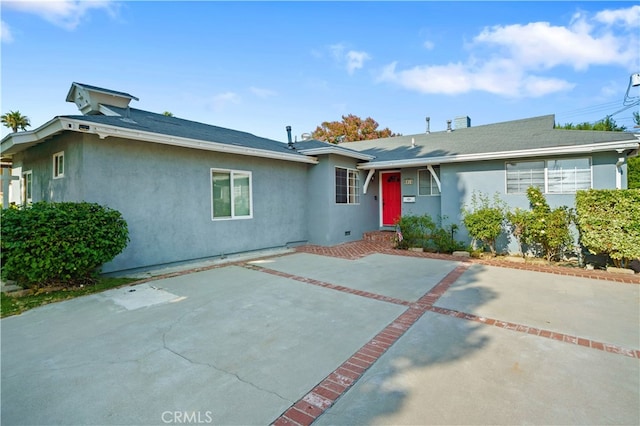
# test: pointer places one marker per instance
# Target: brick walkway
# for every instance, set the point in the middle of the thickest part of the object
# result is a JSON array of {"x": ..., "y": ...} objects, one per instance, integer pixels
[{"x": 306, "y": 410}]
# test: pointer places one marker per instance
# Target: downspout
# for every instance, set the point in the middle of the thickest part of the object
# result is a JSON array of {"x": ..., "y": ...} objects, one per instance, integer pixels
[
  {"x": 619, "y": 164},
  {"x": 367, "y": 180},
  {"x": 435, "y": 176}
]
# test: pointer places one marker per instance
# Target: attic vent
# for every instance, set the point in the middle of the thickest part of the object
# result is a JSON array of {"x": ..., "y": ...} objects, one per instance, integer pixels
[{"x": 83, "y": 127}]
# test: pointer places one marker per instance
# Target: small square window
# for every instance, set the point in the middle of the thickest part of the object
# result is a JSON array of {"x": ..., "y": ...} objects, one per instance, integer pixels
[{"x": 58, "y": 165}]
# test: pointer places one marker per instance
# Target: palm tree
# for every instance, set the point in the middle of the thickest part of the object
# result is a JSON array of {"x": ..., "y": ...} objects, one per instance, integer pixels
[{"x": 14, "y": 120}]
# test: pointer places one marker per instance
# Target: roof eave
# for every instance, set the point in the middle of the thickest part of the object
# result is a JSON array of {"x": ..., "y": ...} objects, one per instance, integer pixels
[
  {"x": 503, "y": 155},
  {"x": 19, "y": 141},
  {"x": 338, "y": 151}
]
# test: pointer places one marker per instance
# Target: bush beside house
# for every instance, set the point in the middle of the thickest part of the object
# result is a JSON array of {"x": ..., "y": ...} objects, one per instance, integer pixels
[
  {"x": 59, "y": 243},
  {"x": 609, "y": 223},
  {"x": 423, "y": 232}
]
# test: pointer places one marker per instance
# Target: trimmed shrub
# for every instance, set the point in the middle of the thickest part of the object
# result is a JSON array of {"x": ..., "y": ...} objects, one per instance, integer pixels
[
  {"x": 520, "y": 221},
  {"x": 62, "y": 243},
  {"x": 422, "y": 231},
  {"x": 485, "y": 220},
  {"x": 415, "y": 230},
  {"x": 547, "y": 231},
  {"x": 609, "y": 223}
]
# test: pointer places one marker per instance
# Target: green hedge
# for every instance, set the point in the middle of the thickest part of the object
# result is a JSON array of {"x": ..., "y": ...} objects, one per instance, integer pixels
[
  {"x": 609, "y": 223},
  {"x": 62, "y": 243}
]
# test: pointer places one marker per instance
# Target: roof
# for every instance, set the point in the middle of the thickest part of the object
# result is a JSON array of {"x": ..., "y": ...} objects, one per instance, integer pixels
[
  {"x": 518, "y": 138},
  {"x": 136, "y": 119}
]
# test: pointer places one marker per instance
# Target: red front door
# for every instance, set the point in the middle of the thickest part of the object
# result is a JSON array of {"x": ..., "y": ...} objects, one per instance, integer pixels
[{"x": 391, "y": 198}]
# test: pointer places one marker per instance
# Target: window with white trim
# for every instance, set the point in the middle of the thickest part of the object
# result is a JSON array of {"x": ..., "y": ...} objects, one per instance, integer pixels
[
  {"x": 347, "y": 186},
  {"x": 427, "y": 184},
  {"x": 27, "y": 187},
  {"x": 562, "y": 176},
  {"x": 568, "y": 175},
  {"x": 231, "y": 194},
  {"x": 58, "y": 165}
]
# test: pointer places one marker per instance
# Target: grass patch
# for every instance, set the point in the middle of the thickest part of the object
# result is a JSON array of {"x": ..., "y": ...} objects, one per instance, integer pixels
[{"x": 14, "y": 305}]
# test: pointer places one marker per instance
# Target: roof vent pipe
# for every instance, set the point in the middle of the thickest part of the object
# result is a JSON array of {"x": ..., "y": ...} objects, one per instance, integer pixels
[
  {"x": 448, "y": 126},
  {"x": 428, "y": 125},
  {"x": 289, "y": 137}
]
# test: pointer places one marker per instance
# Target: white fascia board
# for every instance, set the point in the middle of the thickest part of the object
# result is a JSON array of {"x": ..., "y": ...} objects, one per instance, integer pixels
[
  {"x": 19, "y": 141},
  {"x": 338, "y": 151},
  {"x": 502, "y": 155},
  {"x": 105, "y": 131}
]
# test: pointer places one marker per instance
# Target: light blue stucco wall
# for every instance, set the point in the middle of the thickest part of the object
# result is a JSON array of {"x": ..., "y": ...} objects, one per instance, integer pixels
[
  {"x": 460, "y": 180},
  {"x": 424, "y": 204},
  {"x": 164, "y": 194},
  {"x": 39, "y": 160},
  {"x": 331, "y": 223}
]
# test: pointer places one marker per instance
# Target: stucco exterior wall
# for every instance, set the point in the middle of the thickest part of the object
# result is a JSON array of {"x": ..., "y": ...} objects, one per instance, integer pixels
[
  {"x": 424, "y": 204},
  {"x": 164, "y": 194},
  {"x": 39, "y": 160},
  {"x": 331, "y": 223},
  {"x": 459, "y": 181}
]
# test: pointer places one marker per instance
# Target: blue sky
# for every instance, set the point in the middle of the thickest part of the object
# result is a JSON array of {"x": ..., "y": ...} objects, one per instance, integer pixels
[{"x": 260, "y": 66}]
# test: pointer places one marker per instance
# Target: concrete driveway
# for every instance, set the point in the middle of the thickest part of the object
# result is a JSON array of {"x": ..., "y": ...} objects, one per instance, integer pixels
[{"x": 298, "y": 338}]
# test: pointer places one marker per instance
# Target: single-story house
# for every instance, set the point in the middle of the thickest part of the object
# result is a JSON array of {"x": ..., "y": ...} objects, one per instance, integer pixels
[{"x": 190, "y": 190}]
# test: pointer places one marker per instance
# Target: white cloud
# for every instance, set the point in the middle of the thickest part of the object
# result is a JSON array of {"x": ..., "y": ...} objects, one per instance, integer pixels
[
  {"x": 262, "y": 93},
  {"x": 429, "y": 45},
  {"x": 499, "y": 77},
  {"x": 518, "y": 60},
  {"x": 355, "y": 60},
  {"x": 541, "y": 46},
  {"x": 5, "y": 33},
  {"x": 352, "y": 60},
  {"x": 67, "y": 14},
  {"x": 221, "y": 100},
  {"x": 629, "y": 18}
]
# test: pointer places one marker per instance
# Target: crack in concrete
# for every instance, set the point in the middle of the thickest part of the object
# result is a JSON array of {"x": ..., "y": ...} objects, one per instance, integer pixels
[
  {"x": 206, "y": 364},
  {"x": 222, "y": 370}
]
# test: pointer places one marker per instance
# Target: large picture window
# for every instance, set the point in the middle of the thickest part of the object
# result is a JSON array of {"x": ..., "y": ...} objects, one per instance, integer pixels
[
  {"x": 551, "y": 176},
  {"x": 347, "y": 186},
  {"x": 231, "y": 194},
  {"x": 427, "y": 184}
]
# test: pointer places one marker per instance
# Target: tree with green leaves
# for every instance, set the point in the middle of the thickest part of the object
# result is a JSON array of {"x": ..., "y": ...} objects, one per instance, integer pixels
[
  {"x": 14, "y": 120},
  {"x": 606, "y": 124},
  {"x": 351, "y": 128},
  {"x": 168, "y": 113},
  {"x": 485, "y": 220}
]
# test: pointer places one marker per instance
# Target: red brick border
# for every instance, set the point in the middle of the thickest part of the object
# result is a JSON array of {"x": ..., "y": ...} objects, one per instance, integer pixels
[
  {"x": 357, "y": 249},
  {"x": 319, "y": 283},
  {"x": 325, "y": 394},
  {"x": 574, "y": 340},
  {"x": 306, "y": 410}
]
